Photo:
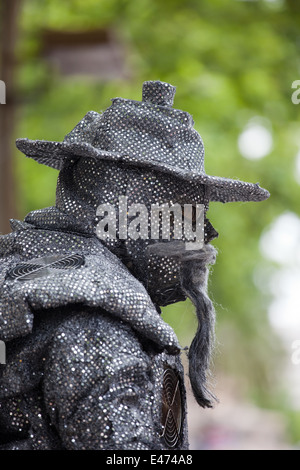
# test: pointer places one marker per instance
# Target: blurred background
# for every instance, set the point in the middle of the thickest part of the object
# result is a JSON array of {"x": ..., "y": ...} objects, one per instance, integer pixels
[{"x": 235, "y": 64}]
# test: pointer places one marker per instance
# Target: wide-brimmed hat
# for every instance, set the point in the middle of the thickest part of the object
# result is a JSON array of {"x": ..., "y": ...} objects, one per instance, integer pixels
[{"x": 148, "y": 133}]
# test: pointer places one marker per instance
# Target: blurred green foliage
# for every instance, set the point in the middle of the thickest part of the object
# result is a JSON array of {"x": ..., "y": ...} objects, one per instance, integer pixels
[{"x": 230, "y": 61}]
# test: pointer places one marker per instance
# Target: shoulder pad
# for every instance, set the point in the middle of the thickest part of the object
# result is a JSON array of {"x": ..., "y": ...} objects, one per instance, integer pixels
[{"x": 55, "y": 269}]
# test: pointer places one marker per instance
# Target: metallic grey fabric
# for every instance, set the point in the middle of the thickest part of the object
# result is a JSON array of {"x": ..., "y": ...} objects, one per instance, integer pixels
[
  {"x": 86, "y": 348},
  {"x": 90, "y": 362},
  {"x": 102, "y": 281},
  {"x": 99, "y": 182}
]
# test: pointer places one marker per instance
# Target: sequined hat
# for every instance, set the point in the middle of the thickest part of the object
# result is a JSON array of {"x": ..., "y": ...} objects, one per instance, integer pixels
[{"x": 148, "y": 133}]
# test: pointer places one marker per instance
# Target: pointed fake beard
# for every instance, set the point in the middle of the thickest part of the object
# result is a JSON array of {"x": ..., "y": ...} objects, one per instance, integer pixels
[
  {"x": 194, "y": 275},
  {"x": 192, "y": 267}
]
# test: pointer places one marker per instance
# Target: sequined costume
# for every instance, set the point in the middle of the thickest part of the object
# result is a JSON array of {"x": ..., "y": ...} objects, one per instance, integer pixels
[{"x": 90, "y": 363}]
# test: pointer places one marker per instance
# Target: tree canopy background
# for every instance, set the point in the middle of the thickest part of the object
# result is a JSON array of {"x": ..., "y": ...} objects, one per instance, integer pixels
[{"x": 233, "y": 63}]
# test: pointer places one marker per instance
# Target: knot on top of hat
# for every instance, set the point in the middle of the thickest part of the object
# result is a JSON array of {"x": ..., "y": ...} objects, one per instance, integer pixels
[{"x": 159, "y": 93}]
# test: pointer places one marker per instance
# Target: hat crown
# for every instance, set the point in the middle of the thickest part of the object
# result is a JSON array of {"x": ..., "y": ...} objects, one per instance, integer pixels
[
  {"x": 149, "y": 131},
  {"x": 159, "y": 93}
]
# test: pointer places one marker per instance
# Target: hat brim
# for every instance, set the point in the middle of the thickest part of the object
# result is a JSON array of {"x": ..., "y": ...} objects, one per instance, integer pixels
[{"x": 56, "y": 154}]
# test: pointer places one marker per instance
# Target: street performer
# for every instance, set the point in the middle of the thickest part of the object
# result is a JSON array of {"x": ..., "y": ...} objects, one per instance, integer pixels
[{"x": 90, "y": 364}]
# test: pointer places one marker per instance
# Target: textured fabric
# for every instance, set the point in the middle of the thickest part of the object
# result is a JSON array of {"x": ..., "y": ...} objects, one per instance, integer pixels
[
  {"x": 102, "y": 281},
  {"x": 82, "y": 380},
  {"x": 90, "y": 362},
  {"x": 86, "y": 348},
  {"x": 98, "y": 182}
]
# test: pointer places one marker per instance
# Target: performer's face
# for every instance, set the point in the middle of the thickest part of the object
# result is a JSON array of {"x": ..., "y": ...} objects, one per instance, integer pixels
[
  {"x": 157, "y": 208},
  {"x": 150, "y": 212}
]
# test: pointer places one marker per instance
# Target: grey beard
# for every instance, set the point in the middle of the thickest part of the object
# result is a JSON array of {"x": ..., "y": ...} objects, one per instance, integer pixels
[
  {"x": 193, "y": 284},
  {"x": 194, "y": 275}
]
